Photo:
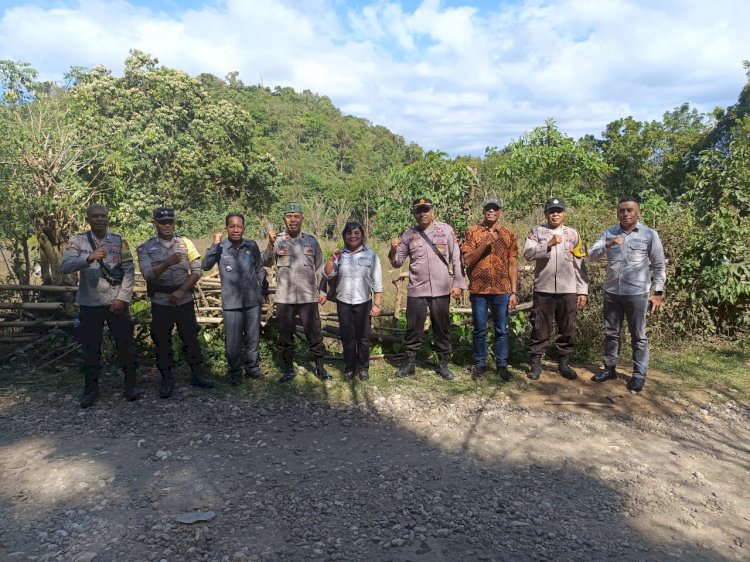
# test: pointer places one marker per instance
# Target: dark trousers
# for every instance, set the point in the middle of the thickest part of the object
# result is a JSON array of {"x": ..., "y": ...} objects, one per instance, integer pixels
[
  {"x": 91, "y": 334},
  {"x": 310, "y": 318},
  {"x": 242, "y": 325},
  {"x": 560, "y": 308},
  {"x": 634, "y": 308},
  {"x": 355, "y": 325},
  {"x": 416, "y": 314},
  {"x": 163, "y": 319}
]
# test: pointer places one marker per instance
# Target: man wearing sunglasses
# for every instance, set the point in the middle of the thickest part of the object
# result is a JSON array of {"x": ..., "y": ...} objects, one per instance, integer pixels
[
  {"x": 560, "y": 287},
  {"x": 434, "y": 277},
  {"x": 170, "y": 264}
]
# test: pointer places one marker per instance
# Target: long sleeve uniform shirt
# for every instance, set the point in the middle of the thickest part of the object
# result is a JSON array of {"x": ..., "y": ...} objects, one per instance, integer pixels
[
  {"x": 629, "y": 263},
  {"x": 241, "y": 272},
  {"x": 93, "y": 288},
  {"x": 299, "y": 268},
  {"x": 359, "y": 275},
  {"x": 556, "y": 269},
  {"x": 428, "y": 274},
  {"x": 154, "y": 251}
]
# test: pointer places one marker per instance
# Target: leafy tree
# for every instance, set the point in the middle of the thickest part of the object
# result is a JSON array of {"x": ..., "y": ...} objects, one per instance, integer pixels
[
  {"x": 449, "y": 184},
  {"x": 543, "y": 163}
]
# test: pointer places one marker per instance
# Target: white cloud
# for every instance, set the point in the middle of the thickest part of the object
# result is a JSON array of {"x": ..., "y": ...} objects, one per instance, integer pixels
[{"x": 453, "y": 78}]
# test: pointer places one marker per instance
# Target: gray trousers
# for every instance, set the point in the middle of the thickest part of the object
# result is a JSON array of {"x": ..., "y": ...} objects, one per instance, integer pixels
[
  {"x": 634, "y": 308},
  {"x": 242, "y": 326}
]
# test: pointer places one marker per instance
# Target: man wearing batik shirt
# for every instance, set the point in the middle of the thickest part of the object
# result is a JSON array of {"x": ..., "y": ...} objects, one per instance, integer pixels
[
  {"x": 490, "y": 252},
  {"x": 430, "y": 246}
]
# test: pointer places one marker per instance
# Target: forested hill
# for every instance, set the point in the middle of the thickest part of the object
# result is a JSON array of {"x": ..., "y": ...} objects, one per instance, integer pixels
[
  {"x": 322, "y": 156},
  {"x": 156, "y": 135}
]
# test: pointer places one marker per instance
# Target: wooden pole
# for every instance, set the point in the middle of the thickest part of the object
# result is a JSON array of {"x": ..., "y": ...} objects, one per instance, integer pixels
[{"x": 32, "y": 305}]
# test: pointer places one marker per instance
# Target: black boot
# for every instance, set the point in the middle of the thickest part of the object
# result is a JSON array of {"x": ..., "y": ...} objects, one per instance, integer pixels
[
  {"x": 131, "y": 384},
  {"x": 320, "y": 370},
  {"x": 408, "y": 369},
  {"x": 536, "y": 368},
  {"x": 90, "y": 387},
  {"x": 235, "y": 378},
  {"x": 635, "y": 384},
  {"x": 199, "y": 377},
  {"x": 289, "y": 373},
  {"x": 444, "y": 371},
  {"x": 167, "y": 382},
  {"x": 563, "y": 367}
]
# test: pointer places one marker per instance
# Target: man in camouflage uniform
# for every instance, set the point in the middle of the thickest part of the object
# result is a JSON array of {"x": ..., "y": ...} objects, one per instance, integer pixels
[
  {"x": 170, "y": 265},
  {"x": 105, "y": 290},
  {"x": 299, "y": 267}
]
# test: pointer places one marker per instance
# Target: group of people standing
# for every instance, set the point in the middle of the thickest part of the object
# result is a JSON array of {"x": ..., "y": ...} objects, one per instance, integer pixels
[{"x": 171, "y": 266}]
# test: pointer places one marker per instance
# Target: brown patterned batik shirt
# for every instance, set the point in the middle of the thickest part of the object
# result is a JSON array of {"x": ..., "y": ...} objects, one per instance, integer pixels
[{"x": 490, "y": 275}]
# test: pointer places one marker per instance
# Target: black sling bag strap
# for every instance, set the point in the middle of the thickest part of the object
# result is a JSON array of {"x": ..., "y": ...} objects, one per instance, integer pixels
[
  {"x": 434, "y": 248},
  {"x": 109, "y": 276}
]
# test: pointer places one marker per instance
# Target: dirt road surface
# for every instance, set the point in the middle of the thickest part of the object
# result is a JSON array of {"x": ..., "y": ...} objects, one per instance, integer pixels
[{"x": 397, "y": 476}]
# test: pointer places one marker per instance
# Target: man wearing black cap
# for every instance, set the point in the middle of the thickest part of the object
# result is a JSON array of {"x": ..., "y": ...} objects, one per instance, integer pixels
[
  {"x": 430, "y": 246},
  {"x": 560, "y": 286},
  {"x": 490, "y": 254},
  {"x": 170, "y": 265}
]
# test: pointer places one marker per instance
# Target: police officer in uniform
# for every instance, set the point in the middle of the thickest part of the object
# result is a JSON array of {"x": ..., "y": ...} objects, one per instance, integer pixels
[
  {"x": 170, "y": 265},
  {"x": 299, "y": 267},
  {"x": 105, "y": 290},
  {"x": 242, "y": 280}
]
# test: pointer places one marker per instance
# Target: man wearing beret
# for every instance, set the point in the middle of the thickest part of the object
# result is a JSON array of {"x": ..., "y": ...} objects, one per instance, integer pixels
[
  {"x": 434, "y": 277},
  {"x": 299, "y": 267},
  {"x": 105, "y": 289},
  {"x": 560, "y": 287},
  {"x": 490, "y": 254},
  {"x": 632, "y": 251},
  {"x": 170, "y": 265}
]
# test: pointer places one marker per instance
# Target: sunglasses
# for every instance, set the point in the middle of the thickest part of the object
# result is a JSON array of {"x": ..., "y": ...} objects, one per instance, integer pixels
[{"x": 422, "y": 209}]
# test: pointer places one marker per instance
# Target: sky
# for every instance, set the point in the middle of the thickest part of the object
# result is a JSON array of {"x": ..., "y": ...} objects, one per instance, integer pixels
[{"x": 456, "y": 76}]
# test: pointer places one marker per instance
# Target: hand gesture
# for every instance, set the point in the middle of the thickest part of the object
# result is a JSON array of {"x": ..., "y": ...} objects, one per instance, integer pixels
[
  {"x": 395, "y": 242},
  {"x": 656, "y": 302},
  {"x": 217, "y": 237},
  {"x": 554, "y": 241},
  {"x": 272, "y": 234},
  {"x": 616, "y": 241},
  {"x": 456, "y": 293},
  {"x": 117, "y": 306},
  {"x": 99, "y": 254},
  {"x": 174, "y": 259},
  {"x": 176, "y": 297}
]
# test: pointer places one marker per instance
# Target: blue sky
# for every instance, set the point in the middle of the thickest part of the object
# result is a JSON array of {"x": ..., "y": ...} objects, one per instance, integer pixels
[{"x": 451, "y": 75}]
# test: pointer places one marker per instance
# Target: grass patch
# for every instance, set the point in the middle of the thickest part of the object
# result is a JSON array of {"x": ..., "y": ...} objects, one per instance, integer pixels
[{"x": 720, "y": 367}]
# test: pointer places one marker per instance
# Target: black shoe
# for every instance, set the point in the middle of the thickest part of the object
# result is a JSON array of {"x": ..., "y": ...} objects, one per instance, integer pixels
[
  {"x": 635, "y": 384},
  {"x": 197, "y": 380},
  {"x": 132, "y": 394},
  {"x": 167, "y": 387},
  {"x": 348, "y": 375},
  {"x": 364, "y": 376},
  {"x": 608, "y": 374},
  {"x": 477, "y": 372},
  {"x": 563, "y": 367},
  {"x": 320, "y": 371},
  {"x": 444, "y": 372},
  {"x": 536, "y": 368},
  {"x": 288, "y": 375},
  {"x": 504, "y": 373},
  {"x": 408, "y": 369},
  {"x": 90, "y": 394},
  {"x": 255, "y": 375}
]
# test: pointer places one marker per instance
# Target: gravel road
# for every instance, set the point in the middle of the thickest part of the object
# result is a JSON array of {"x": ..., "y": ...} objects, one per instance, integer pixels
[{"x": 398, "y": 476}]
